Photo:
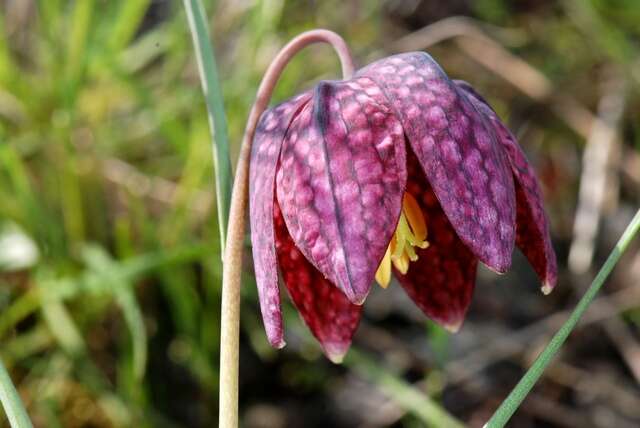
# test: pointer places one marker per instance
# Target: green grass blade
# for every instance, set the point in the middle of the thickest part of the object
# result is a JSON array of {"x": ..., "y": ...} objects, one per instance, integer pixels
[
  {"x": 127, "y": 23},
  {"x": 70, "y": 287},
  {"x": 520, "y": 392},
  {"x": 25, "y": 345},
  {"x": 11, "y": 401},
  {"x": 23, "y": 306},
  {"x": 215, "y": 107},
  {"x": 62, "y": 326},
  {"x": 80, "y": 27},
  {"x": 135, "y": 323},
  {"x": 109, "y": 272},
  {"x": 405, "y": 395}
]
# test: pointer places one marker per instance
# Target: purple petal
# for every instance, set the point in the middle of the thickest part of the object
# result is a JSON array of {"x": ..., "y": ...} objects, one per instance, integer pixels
[
  {"x": 532, "y": 232},
  {"x": 340, "y": 182},
  {"x": 441, "y": 281},
  {"x": 458, "y": 151},
  {"x": 267, "y": 143},
  {"x": 330, "y": 316}
]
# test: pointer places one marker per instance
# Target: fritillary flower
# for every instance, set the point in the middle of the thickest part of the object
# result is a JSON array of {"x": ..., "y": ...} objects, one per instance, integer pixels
[{"x": 396, "y": 171}]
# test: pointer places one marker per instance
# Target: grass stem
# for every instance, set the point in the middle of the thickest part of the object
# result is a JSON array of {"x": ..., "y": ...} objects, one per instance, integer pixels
[{"x": 522, "y": 389}]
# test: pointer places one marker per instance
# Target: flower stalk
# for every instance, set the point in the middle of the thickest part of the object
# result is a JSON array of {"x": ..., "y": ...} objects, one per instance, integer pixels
[{"x": 232, "y": 266}]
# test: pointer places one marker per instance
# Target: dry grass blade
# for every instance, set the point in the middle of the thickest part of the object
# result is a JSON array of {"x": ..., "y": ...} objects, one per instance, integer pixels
[{"x": 599, "y": 170}]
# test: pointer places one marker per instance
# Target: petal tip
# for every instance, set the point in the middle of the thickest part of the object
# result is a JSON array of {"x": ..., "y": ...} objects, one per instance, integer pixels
[
  {"x": 357, "y": 298},
  {"x": 546, "y": 288},
  {"x": 335, "y": 352},
  {"x": 501, "y": 267},
  {"x": 453, "y": 327},
  {"x": 336, "y": 358},
  {"x": 276, "y": 341},
  {"x": 497, "y": 258}
]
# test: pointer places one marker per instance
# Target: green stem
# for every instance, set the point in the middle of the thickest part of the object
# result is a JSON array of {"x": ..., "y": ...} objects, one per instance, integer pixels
[
  {"x": 13, "y": 407},
  {"x": 217, "y": 120},
  {"x": 519, "y": 393}
]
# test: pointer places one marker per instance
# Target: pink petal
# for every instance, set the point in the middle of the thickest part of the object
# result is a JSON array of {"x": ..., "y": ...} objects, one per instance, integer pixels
[
  {"x": 532, "y": 232},
  {"x": 324, "y": 308},
  {"x": 340, "y": 182},
  {"x": 441, "y": 281},
  {"x": 262, "y": 169},
  {"x": 458, "y": 151}
]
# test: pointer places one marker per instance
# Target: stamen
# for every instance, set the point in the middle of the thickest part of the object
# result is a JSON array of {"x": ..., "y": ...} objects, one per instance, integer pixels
[
  {"x": 401, "y": 235},
  {"x": 410, "y": 253},
  {"x": 383, "y": 274},
  {"x": 411, "y": 232},
  {"x": 413, "y": 212},
  {"x": 402, "y": 263}
]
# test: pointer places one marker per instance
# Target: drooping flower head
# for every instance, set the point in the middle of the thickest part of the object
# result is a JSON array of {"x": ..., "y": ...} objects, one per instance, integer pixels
[{"x": 399, "y": 169}]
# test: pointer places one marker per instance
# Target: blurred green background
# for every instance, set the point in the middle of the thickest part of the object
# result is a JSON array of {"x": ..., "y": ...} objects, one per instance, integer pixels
[{"x": 109, "y": 255}]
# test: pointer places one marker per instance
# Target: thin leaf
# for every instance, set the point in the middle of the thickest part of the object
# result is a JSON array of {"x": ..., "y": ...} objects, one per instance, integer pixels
[
  {"x": 80, "y": 27},
  {"x": 107, "y": 270},
  {"x": 135, "y": 323},
  {"x": 69, "y": 287},
  {"x": 62, "y": 326},
  {"x": 522, "y": 389},
  {"x": 402, "y": 393},
  {"x": 127, "y": 23},
  {"x": 11, "y": 402},
  {"x": 217, "y": 121}
]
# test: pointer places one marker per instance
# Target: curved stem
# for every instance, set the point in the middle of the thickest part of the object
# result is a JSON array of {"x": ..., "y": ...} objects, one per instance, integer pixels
[{"x": 232, "y": 265}]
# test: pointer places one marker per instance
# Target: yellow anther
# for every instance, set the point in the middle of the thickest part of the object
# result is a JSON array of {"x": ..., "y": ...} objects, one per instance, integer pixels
[
  {"x": 410, "y": 253},
  {"x": 411, "y": 232},
  {"x": 414, "y": 215},
  {"x": 402, "y": 263},
  {"x": 401, "y": 236},
  {"x": 383, "y": 274}
]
